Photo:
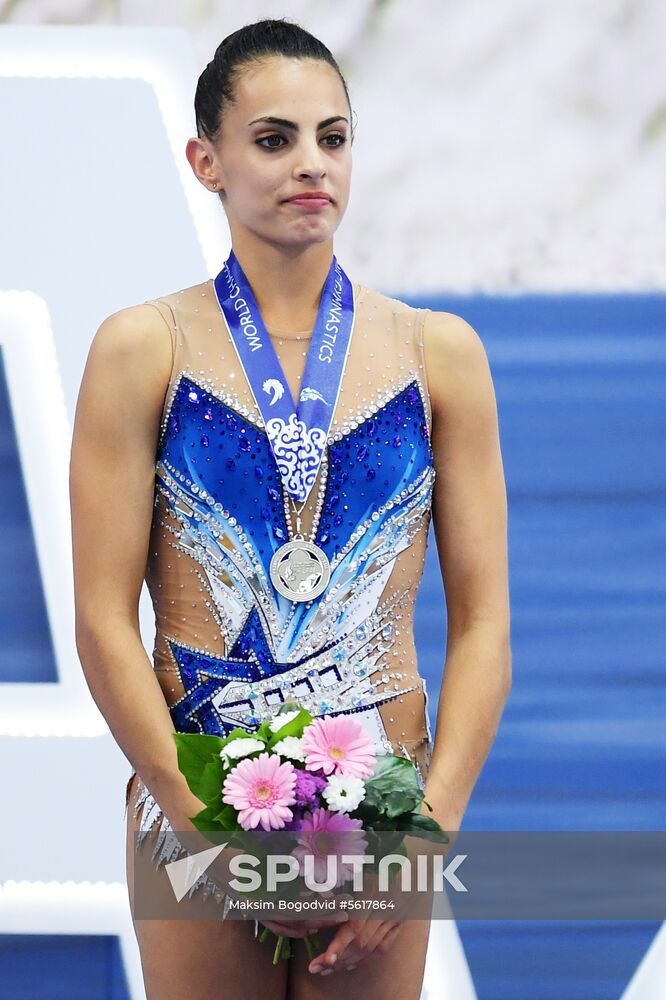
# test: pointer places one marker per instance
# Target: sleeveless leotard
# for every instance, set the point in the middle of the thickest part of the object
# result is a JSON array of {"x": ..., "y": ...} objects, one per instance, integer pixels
[{"x": 229, "y": 649}]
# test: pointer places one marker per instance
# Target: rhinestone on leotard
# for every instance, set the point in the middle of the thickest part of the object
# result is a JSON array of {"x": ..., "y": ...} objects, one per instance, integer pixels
[{"x": 230, "y": 648}]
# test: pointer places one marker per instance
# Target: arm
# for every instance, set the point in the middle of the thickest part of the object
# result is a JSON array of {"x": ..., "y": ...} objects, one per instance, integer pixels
[
  {"x": 470, "y": 525},
  {"x": 112, "y": 471}
]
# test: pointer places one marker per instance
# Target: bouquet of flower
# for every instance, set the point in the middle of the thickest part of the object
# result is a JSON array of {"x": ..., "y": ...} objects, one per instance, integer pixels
[{"x": 303, "y": 774}]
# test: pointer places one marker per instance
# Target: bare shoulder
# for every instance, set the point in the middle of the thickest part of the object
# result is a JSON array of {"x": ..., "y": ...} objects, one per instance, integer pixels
[
  {"x": 131, "y": 358},
  {"x": 137, "y": 334},
  {"x": 127, "y": 372},
  {"x": 455, "y": 358},
  {"x": 451, "y": 339}
]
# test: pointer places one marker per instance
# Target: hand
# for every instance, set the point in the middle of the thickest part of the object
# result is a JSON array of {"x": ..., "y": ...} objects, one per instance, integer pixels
[
  {"x": 354, "y": 943},
  {"x": 359, "y": 939}
]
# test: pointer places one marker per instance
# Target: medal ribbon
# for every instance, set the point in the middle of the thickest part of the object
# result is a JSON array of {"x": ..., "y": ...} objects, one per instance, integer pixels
[{"x": 296, "y": 433}]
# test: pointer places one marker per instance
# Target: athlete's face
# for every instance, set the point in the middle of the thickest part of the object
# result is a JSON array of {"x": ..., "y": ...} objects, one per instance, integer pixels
[{"x": 261, "y": 164}]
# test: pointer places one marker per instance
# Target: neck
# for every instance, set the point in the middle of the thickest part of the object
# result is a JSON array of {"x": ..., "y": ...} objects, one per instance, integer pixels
[{"x": 287, "y": 283}]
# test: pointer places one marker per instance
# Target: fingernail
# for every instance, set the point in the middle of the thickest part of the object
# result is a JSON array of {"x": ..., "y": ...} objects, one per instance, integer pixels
[
  {"x": 315, "y": 968},
  {"x": 351, "y": 967},
  {"x": 327, "y": 972}
]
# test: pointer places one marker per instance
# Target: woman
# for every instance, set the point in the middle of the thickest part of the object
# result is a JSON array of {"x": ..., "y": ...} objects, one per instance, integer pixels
[{"x": 174, "y": 476}]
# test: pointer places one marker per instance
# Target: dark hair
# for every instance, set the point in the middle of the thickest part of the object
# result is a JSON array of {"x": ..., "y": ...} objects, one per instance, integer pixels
[{"x": 268, "y": 37}]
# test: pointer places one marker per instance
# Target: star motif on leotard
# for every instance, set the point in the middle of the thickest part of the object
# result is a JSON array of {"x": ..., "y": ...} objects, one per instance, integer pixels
[{"x": 204, "y": 676}]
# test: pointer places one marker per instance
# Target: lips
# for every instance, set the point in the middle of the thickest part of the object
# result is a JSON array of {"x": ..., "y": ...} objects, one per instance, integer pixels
[{"x": 311, "y": 196}]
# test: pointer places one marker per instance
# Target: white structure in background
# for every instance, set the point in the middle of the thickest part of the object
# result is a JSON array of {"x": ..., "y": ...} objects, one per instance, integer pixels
[
  {"x": 500, "y": 146},
  {"x": 72, "y": 881},
  {"x": 649, "y": 980}
]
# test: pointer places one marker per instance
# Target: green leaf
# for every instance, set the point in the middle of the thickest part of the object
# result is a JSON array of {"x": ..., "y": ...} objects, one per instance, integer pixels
[
  {"x": 227, "y": 818},
  {"x": 195, "y": 750},
  {"x": 418, "y": 823},
  {"x": 365, "y": 811},
  {"x": 396, "y": 803},
  {"x": 263, "y": 732},
  {"x": 382, "y": 842},
  {"x": 294, "y": 727},
  {"x": 210, "y": 783},
  {"x": 393, "y": 787},
  {"x": 205, "y": 820},
  {"x": 373, "y": 799},
  {"x": 198, "y": 745}
]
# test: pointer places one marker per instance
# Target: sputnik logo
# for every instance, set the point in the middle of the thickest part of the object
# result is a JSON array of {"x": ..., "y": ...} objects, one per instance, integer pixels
[{"x": 185, "y": 872}]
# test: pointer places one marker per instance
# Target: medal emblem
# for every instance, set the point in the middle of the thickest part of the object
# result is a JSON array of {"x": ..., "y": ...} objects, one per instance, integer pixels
[
  {"x": 300, "y": 570},
  {"x": 297, "y": 430}
]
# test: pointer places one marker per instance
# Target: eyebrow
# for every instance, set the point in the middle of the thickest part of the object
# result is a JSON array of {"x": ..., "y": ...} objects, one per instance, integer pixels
[{"x": 285, "y": 123}]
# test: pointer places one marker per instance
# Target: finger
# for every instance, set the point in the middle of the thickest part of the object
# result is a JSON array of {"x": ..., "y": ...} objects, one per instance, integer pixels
[
  {"x": 385, "y": 928},
  {"x": 335, "y": 949},
  {"x": 350, "y": 960},
  {"x": 368, "y": 935},
  {"x": 387, "y": 941}
]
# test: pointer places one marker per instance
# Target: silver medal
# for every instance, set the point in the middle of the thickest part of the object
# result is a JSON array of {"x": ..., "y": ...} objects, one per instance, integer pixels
[{"x": 300, "y": 570}]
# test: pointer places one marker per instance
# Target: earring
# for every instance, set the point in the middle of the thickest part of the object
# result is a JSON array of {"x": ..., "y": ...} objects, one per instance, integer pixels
[{"x": 214, "y": 185}]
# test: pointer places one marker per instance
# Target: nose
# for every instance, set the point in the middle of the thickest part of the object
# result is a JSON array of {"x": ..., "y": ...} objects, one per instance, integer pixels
[{"x": 311, "y": 162}]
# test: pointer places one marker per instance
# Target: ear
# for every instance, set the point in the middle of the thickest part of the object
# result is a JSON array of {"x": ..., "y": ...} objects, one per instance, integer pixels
[{"x": 201, "y": 158}]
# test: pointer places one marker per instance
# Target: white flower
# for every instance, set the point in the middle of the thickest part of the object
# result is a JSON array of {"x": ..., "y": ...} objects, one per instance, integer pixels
[
  {"x": 240, "y": 747},
  {"x": 281, "y": 720},
  {"x": 290, "y": 746},
  {"x": 344, "y": 792}
]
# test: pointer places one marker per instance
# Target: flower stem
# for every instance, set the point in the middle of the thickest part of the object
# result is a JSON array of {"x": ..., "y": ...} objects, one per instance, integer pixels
[{"x": 278, "y": 949}]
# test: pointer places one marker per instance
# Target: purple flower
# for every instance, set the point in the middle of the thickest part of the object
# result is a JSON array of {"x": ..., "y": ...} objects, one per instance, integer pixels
[
  {"x": 296, "y": 822},
  {"x": 307, "y": 787}
]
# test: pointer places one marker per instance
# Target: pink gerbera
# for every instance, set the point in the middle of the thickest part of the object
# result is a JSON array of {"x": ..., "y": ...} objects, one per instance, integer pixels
[
  {"x": 261, "y": 789},
  {"x": 325, "y": 834},
  {"x": 340, "y": 745}
]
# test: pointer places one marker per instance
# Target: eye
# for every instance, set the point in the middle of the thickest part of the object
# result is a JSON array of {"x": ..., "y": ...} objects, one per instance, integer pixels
[
  {"x": 276, "y": 135},
  {"x": 337, "y": 135}
]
